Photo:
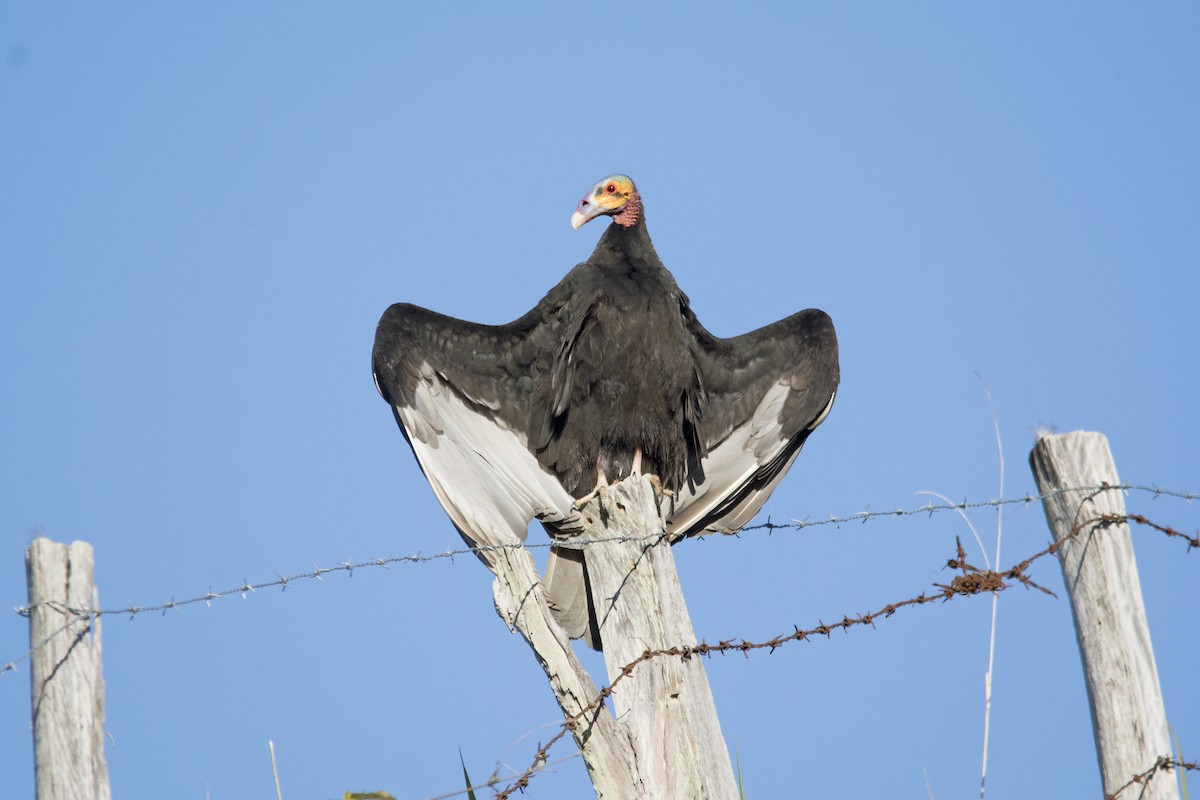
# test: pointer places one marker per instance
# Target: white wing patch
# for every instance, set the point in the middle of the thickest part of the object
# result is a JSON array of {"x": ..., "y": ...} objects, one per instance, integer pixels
[
  {"x": 824, "y": 413},
  {"x": 734, "y": 463},
  {"x": 482, "y": 472}
]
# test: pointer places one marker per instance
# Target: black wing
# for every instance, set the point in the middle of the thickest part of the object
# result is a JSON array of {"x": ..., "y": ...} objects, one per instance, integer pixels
[
  {"x": 476, "y": 403},
  {"x": 766, "y": 392},
  {"x": 461, "y": 393}
]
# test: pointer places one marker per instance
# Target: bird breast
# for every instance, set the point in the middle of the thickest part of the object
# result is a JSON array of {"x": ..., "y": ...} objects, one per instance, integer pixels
[{"x": 633, "y": 377}]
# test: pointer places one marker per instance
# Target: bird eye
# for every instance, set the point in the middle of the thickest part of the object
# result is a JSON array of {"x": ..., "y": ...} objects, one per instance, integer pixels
[{"x": 611, "y": 188}]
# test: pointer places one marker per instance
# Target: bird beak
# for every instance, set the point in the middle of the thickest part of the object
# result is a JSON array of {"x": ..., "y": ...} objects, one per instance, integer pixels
[
  {"x": 586, "y": 210},
  {"x": 600, "y": 201}
]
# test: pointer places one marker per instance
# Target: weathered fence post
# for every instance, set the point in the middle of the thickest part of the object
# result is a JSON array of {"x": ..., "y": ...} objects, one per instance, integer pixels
[
  {"x": 1096, "y": 556},
  {"x": 605, "y": 745},
  {"x": 665, "y": 740},
  {"x": 665, "y": 703},
  {"x": 67, "y": 682}
]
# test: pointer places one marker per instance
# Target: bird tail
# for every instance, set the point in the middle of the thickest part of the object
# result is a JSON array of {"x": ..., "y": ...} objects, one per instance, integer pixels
[{"x": 569, "y": 593}]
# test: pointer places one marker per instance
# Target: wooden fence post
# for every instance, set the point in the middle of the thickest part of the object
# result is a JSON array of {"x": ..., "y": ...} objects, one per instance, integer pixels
[
  {"x": 605, "y": 745},
  {"x": 665, "y": 703},
  {"x": 665, "y": 740},
  {"x": 1096, "y": 556},
  {"x": 66, "y": 679}
]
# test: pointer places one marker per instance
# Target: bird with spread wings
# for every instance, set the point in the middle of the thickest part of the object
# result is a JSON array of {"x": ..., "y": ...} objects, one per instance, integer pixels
[{"x": 610, "y": 375}]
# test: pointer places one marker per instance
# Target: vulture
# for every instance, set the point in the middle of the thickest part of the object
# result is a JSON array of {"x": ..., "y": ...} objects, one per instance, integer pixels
[{"x": 610, "y": 375}]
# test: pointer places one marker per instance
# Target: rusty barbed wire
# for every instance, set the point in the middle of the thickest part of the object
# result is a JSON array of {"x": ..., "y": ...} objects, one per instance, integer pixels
[
  {"x": 1163, "y": 763},
  {"x": 1193, "y": 541},
  {"x": 317, "y": 573},
  {"x": 973, "y": 581}
]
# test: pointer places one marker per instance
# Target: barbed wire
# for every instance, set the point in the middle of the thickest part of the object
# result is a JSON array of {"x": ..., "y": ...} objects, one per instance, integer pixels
[
  {"x": 973, "y": 581},
  {"x": 864, "y": 516},
  {"x": 1163, "y": 763},
  {"x": 74, "y": 620},
  {"x": 1192, "y": 541},
  {"x": 317, "y": 573}
]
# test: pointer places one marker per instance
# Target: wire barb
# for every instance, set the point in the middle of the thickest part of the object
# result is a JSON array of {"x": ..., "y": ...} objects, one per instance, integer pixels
[{"x": 1162, "y": 764}]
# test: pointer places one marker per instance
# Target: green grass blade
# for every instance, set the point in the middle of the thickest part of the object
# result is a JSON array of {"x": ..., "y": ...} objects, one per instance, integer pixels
[
  {"x": 466, "y": 777},
  {"x": 1183, "y": 792},
  {"x": 737, "y": 758}
]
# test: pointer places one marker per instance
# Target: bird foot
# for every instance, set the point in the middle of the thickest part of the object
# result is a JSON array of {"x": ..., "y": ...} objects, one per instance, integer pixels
[
  {"x": 600, "y": 492},
  {"x": 635, "y": 471},
  {"x": 602, "y": 489},
  {"x": 660, "y": 491}
]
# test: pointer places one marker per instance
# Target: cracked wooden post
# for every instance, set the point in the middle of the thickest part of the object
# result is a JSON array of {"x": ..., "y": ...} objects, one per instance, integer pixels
[
  {"x": 1096, "y": 556},
  {"x": 606, "y": 747},
  {"x": 665, "y": 703},
  {"x": 67, "y": 681},
  {"x": 665, "y": 740}
]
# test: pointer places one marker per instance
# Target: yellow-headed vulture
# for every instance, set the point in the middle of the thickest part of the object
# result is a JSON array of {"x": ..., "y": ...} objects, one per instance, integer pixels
[{"x": 610, "y": 374}]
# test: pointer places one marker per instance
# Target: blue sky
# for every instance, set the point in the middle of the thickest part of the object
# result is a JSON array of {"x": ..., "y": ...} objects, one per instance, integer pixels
[{"x": 204, "y": 209}]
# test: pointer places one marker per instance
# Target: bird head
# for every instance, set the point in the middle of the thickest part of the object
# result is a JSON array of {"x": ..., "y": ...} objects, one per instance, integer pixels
[{"x": 615, "y": 196}]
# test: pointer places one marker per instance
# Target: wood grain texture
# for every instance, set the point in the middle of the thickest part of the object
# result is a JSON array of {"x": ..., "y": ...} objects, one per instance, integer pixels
[
  {"x": 1102, "y": 583},
  {"x": 67, "y": 680},
  {"x": 605, "y": 745},
  {"x": 665, "y": 703},
  {"x": 665, "y": 739}
]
